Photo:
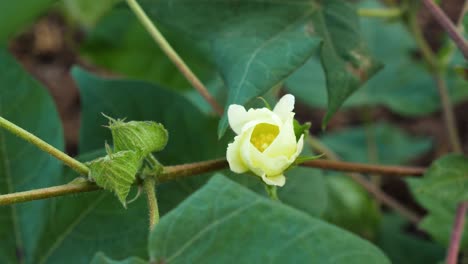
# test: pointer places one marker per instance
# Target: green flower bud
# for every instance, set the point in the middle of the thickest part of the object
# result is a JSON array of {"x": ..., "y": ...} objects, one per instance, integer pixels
[{"x": 142, "y": 136}]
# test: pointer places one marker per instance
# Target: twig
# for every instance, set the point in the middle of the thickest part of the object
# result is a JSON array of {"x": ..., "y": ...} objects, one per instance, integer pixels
[
  {"x": 150, "y": 189},
  {"x": 367, "y": 185},
  {"x": 457, "y": 232},
  {"x": 448, "y": 26},
  {"x": 364, "y": 168},
  {"x": 380, "y": 12},
  {"x": 179, "y": 171},
  {"x": 173, "y": 56},
  {"x": 438, "y": 74},
  {"x": 41, "y": 144},
  {"x": 49, "y": 192}
]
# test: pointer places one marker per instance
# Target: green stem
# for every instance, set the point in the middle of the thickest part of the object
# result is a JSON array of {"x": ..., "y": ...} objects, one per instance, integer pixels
[
  {"x": 149, "y": 184},
  {"x": 380, "y": 12},
  {"x": 69, "y": 161},
  {"x": 437, "y": 68},
  {"x": 173, "y": 56},
  {"x": 272, "y": 192}
]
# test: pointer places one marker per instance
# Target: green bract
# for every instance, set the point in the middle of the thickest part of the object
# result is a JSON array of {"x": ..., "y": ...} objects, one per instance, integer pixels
[
  {"x": 116, "y": 172},
  {"x": 142, "y": 136}
]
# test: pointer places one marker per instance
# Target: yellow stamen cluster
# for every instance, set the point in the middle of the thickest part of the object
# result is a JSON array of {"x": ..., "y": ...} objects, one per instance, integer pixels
[{"x": 263, "y": 135}]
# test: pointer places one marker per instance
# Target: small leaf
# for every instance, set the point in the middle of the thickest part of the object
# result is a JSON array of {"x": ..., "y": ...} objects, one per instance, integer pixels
[
  {"x": 116, "y": 172},
  {"x": 141, "y": 136},
  {"x": 101, "y": 258},
  {"x": 224, "y": 221}
]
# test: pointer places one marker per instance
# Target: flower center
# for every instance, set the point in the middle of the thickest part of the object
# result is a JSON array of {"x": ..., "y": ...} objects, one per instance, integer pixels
[{"x": 263, "y": 135}]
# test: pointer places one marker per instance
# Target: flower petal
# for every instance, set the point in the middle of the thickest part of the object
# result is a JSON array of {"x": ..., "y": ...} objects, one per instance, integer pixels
[
  {"x": 285, "y": 143},
  {"x": 233, "y": 155},
  {"x": 285, "y": 106},
  {"x": 237, "y": 117},
  {"x": 279, "y": 180}
]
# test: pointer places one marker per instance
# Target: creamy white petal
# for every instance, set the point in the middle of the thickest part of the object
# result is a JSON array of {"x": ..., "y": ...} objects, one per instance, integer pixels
[
  {"x": 237, "y": 117},
  {"x": 278, "y": 180},
  {"x": 285, "y": 106},
  {"x": 285, "y": 143},
  {"x": 269, "y": 165},
  {"x": 233, "y": 156}
]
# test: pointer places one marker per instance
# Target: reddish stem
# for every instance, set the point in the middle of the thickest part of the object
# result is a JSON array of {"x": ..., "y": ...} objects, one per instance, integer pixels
[{"x": 457, "y": 232}]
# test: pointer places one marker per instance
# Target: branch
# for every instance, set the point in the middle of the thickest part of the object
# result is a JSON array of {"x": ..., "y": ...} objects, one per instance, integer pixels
[
  {"x": 364, "y": 168},
  {"x": 449, "y": 27},
  {"x": 380, "y": 12},
  {"x": 173, "y": 56},
  {"x": 41, "y": 144},
  {"x": 367, "y": 185},
  {"x": 457, "y": 232},
  {"x": 191, "y": 169}
]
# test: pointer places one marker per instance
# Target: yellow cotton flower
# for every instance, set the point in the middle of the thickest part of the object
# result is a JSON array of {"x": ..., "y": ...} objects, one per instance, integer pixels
[{"x": 265, "y": 143}]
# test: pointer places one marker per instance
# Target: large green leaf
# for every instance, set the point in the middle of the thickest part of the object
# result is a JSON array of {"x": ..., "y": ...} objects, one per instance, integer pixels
[
  {"x": 23, "y": 166},
  {"x": 223, "y": 222},
  {"x": 101, "y": 258},
  {"x": 402, "y": 247},
  {"x": 404, "y": 85},
  {"x": 349, "y": 205},
  {"x": 17, "y": 14},
  {"x": 443, "y": 186},
  {"x": 86, "y": 223},
  {"x": 256, "y": 44},
  {"x": 392, "y": 145},
  {"x": 120, "y": 44},
  {"x": 88, "y": 12}
]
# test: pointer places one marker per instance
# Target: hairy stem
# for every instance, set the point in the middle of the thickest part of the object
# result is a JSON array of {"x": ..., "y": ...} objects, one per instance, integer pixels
[
  {"x": 448, "y": 26},
  {"x": 457, "y": 232},
  {"x": 191, "y": 169},
  {"x": 438, "y": 73},
  {"x": 380, "y": 12},
  {"x": 367, "y": 185},
  {"x": 173, "y": 56},
  {"x": 149, "y": 185},
  {"x": 41, "y": 144}
]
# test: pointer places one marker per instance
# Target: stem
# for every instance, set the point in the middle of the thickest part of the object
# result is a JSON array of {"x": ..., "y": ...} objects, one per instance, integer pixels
[
  {"x": 368, "y": 186},
  {"x": 180, "y": 171},
  {"x": 437, "y": 72},
  {"x": 364, "y": 168},
  {"x": 41, "y": 144},
  {"x": 38, "y": 194},
  {"x": 457, "y": 232},
  {"x": 173, "y": 56},
  {"x": 380, "y": 12},
  {"x": 448, "y": 26},
  {"x": 272, "y": 192},
  {"x": 150, "y": 184}
]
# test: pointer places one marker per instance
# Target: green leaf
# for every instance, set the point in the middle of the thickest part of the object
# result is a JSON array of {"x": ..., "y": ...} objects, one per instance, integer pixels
[
  {"x": 88, "y": 12},
  {"x": 120, "y": 44},
  {"x": 143, "y": 137},
  {"x": 255, "y": 45},
  {"x": 392, "y": 145},
  {"x": 95, "y": 221},
  {"x": 403, "y": 85},
  {"x": 18, "y": 14},
  {"x": 351, "y": 207},
  {"x": 402, "y": 247},
  {"x": 443, "y": 186},
  {"x": 224, "y": 221},
  {"x": 101, "y": 258},
  {"x": 301, "y": 129},
  {"x": 116, "y": 172},
  {"x": 23, "y": 166}
]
